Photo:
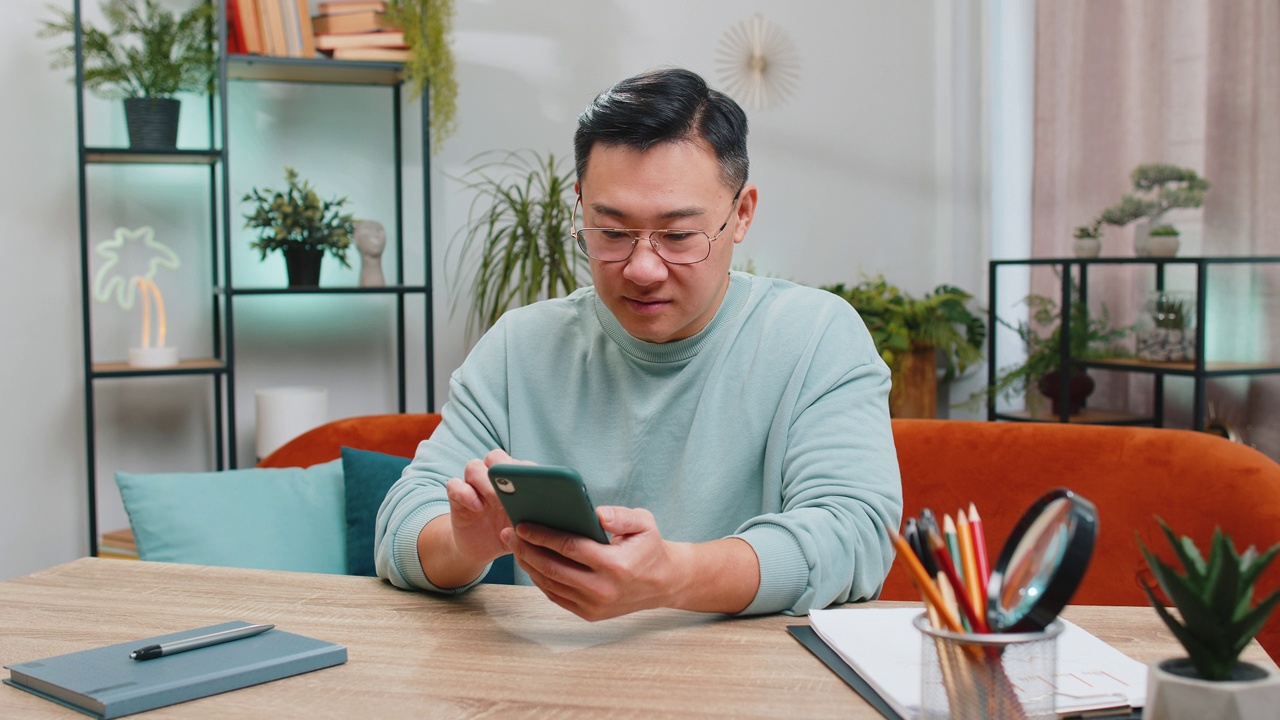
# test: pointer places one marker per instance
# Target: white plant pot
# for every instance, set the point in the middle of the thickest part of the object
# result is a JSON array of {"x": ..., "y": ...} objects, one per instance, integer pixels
[
  {"x": 1086, "y": 247},
  {"x": 1175, "y": 697}
]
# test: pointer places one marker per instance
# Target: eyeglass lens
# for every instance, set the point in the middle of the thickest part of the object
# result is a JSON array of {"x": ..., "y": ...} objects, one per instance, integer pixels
[{"x": 680, "y": 247}]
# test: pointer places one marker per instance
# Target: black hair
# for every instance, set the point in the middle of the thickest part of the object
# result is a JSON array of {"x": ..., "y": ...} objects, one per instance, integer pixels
[{"x": 665, "y": 106}]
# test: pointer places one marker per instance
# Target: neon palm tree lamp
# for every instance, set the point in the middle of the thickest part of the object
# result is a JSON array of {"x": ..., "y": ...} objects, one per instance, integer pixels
[{"x": 109, "y": 280}]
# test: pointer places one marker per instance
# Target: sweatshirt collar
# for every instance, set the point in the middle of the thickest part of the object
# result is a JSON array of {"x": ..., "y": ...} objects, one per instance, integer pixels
[{"x": 735, "y": 299}]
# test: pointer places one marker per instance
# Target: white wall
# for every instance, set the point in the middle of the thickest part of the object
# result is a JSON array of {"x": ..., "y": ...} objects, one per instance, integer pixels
[{"x": 855, "y": 172}]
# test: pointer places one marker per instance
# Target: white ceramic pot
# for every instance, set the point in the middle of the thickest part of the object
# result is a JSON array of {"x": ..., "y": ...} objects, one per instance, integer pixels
[
  {"x": 1173, "y": 696},
  {"x": 1086, "y": 247},
  {"x": 1162, "y": 245}
]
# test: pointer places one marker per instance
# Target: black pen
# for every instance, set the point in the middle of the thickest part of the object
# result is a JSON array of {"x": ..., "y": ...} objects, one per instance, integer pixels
[{"x": 176, "y": 646}]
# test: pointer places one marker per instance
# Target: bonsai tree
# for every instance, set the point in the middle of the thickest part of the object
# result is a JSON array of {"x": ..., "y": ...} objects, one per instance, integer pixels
[
  {"x": 1158, "y": 188},
  {"x": 146, "y": 52},
  {"x": 937, "y": 325},
  {"x": 428, "y": 25},
  {"x": 515, "y": 247},
  {"x": 296, "y": 219},
  {"x": 1214, "y": 599}
]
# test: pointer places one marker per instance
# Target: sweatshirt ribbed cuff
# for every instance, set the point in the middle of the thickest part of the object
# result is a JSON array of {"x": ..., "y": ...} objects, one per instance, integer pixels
[
  {"x": 404, "y": 551},
  {"x": 784, "y": 571}
]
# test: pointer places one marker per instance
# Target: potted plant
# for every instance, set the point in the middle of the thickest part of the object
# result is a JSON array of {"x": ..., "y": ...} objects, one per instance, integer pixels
[
  {"x": 145, "y": 57},
  {"x": 1171, "y": 336},
  {"x": 301, "y": 226},
  {"x": 913, "y": 334},
  {"x": 1162, "y": 241},
  {"x": 1216, "y": 620},
  {"x": 1091, "y": 337},
  {"x": 1158, "y": 188},
  {"x": 427, "y": 26},
  {"x": 1087, "y": 243},
  {"x": 515, "y": 247}
]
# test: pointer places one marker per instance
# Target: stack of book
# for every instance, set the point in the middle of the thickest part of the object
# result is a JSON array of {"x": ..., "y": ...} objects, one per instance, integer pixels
[
  {"x": 280, "y": 28},
  {"x": 118, "y": 544},
  {"x": 358, "y": 30}
]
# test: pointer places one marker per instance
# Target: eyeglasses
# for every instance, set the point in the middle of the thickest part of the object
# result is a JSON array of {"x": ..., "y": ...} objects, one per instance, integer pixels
[{"x": 678, "y": 247}]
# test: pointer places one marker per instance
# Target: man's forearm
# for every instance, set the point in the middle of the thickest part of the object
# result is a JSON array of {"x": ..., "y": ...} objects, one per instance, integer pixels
[
  {"x": 720, "y": 576},
  {"x": 443, "y": 565}
]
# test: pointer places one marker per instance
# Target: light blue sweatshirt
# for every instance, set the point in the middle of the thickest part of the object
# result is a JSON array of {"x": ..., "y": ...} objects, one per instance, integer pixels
[{"x": 771, "y": 425}]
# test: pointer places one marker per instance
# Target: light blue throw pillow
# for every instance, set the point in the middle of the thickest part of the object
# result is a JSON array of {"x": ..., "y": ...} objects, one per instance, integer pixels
[{"x": 267, "y": 518}]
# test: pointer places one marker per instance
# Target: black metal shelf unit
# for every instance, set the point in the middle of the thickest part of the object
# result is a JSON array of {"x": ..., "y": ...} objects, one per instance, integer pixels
[
  {"x": 1077, "y": 270},
  {"x": 220, "y": 368}
]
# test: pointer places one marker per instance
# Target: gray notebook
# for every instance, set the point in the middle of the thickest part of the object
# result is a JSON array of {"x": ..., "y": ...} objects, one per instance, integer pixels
[{"x": 105, "y": 682}]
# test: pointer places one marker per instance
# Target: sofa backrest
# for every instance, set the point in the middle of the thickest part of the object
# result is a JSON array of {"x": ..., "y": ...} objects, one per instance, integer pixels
[
  {"x": 1192, "y": 480},
  {"x": 395, "y": 434}
]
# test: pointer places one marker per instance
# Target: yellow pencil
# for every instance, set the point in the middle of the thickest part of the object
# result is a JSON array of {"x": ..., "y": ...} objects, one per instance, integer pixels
[{"x": 969, "y": 556}]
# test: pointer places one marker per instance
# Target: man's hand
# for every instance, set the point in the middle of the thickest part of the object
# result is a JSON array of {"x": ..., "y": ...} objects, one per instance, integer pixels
[
  {"x": 455, "y": 548},
  {"x": 638, "y": 570}
]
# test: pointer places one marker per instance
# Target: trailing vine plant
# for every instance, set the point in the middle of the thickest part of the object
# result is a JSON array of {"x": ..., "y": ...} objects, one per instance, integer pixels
[{"x": 428, "y": 27}]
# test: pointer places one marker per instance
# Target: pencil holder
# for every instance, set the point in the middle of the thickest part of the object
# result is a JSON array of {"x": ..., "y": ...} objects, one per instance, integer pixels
[{"x": 998, "y": 675}]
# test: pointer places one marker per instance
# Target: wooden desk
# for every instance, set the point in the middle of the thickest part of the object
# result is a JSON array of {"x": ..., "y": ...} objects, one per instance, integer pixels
[{"x": 498, "y": 651}]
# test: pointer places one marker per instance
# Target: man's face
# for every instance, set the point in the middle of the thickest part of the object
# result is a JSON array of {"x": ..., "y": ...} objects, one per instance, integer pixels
[{"x": 671, "y": 186}]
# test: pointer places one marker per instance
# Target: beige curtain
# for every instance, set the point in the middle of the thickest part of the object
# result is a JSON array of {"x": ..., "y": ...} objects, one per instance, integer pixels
[{"x": 1195, "y": 83}]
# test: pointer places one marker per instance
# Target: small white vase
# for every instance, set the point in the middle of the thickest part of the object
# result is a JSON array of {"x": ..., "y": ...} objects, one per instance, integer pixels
[
  {"x": 1086, "y": 247},
  {"x": 1172, "y": 696}
]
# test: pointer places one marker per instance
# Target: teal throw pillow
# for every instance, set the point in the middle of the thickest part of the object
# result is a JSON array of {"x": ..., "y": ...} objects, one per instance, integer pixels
[
  {"x": 268, "y": 518},
  {"x": 369, "y": 475}
]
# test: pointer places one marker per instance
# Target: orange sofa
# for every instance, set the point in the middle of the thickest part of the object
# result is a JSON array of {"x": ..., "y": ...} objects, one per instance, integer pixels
[{"x": 1194, "y": 481}]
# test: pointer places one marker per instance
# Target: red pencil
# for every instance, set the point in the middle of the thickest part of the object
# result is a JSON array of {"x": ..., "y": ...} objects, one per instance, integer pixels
[
  {"x": 978, "y": 623},
  {"x": 980, "y": 549}
]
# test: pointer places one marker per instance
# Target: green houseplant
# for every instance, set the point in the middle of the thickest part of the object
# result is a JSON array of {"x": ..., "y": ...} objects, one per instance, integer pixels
[
  {"x": 1157, "y": 189},
  {"x": 145, "y": 57},
  {"x": 1091, "y": 337},
  {"x": 428, "y": 25},
  {"x": 515, "y": 247},
  {"x": 1216, "y": 619},
  {"x": 913, "y": 333},
  {"x": 301, "y": 226}
]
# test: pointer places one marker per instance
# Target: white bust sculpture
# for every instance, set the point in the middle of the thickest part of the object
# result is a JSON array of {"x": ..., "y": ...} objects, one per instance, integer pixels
[{"x": 371, "y": 240}]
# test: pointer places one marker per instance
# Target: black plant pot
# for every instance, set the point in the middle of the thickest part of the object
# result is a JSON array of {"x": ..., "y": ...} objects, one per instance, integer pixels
[
  {"x": 303, "y": 264},
  {"x": 1079, "y": 387},
  {"x": 152, "y": 122}
]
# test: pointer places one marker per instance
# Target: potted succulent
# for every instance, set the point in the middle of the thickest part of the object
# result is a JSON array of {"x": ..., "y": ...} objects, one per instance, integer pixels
[
  {"x": 515, "y": 247},
  {"x": 1171, "y": 336},
  {"x": 427, "y": 26},
  {"x": 147, "y": 56},
  {"x": 913, "y": 334},
  {"x": 1091, "y": 337},
  {"x": 301, "y": 226},
  {"x": 1087, "y": 243},
  {"x": 1216, "y": 619},
  {"x": 1158, "y": 188}
]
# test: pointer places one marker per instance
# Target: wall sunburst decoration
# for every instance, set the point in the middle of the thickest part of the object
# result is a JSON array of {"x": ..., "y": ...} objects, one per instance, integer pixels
[{"x": 758, "y": 63}]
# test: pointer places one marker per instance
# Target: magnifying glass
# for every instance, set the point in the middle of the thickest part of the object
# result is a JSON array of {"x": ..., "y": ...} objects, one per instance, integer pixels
[{"x": 1042, "y": 562}]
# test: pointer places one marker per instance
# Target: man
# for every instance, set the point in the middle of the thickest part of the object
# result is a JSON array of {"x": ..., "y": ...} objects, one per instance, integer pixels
[{"x": 733, "y": 429}]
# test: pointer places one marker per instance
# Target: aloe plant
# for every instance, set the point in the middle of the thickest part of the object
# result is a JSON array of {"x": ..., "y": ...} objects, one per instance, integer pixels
[{"x": 1213, "y": 597}]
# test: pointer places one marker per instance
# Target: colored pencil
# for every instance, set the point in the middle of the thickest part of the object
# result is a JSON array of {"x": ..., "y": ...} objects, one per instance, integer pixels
[
  {"x": 949, "y": 570},
  {"x": 980, "y": 548},
  {"x": 923, "y": 583},
  {"x": 968, "y": 555}
]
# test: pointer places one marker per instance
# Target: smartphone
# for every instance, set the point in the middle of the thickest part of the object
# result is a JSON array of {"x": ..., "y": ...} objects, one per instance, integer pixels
[{"x": 547, "y": 495}]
